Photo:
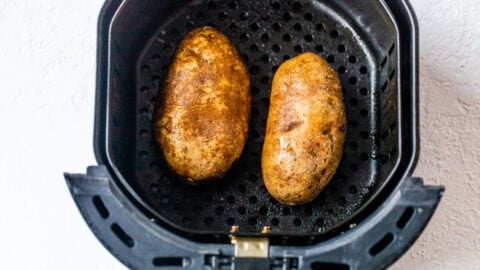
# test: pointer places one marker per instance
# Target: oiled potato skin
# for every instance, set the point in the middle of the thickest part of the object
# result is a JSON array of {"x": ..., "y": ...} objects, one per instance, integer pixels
[
  {"x": 305, "y": 130},
  {"x": 203, "y": 111}
]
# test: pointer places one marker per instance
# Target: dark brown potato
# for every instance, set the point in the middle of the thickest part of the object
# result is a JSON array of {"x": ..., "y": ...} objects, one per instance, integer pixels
[
  {"x": 203, "y": 111},
  {"x": 305, "y": 130}
]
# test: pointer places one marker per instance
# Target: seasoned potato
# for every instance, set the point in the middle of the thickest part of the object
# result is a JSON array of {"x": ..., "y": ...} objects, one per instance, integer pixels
[
  {"x": 203, "y": 110},
  {"x": 305, "y": 130}
]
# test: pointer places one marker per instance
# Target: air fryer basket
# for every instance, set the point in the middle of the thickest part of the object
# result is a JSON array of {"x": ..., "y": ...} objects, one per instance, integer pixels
[{"x": 371, "y": 44}]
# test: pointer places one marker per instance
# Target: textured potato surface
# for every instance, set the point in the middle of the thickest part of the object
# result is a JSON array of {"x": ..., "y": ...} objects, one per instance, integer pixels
[
  {"x": 305, "y": 131},
  {"x": 203, "y": 110}
]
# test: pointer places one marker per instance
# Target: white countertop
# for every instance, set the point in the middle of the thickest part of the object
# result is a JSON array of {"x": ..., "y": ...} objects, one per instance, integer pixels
[{"x": 47, "y": 76}]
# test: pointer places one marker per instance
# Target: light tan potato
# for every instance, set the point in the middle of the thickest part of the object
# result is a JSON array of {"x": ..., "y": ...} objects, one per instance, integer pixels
[
  {"x": 305, "y": 130},
  {"x": 203, "y": 111}
]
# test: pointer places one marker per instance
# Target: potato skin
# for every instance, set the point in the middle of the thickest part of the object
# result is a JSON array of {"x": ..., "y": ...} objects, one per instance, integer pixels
[
  {"x": 305, "y": 131},
  {"x": 202, "y": 114}
]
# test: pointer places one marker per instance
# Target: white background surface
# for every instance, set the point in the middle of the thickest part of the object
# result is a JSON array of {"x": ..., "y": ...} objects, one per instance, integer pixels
[{"x": 47, "y": 75}]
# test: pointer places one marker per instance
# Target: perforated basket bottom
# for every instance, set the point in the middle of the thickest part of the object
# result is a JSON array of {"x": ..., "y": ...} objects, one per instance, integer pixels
[{"x": 266, "y": 35}]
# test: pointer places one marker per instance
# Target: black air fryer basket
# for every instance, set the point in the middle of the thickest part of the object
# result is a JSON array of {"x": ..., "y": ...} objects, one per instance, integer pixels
[{"x": 368, "y": 216}]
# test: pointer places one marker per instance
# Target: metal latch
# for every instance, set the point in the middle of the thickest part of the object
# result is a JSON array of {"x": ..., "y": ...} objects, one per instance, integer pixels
[{"x": 250, "y": 247}]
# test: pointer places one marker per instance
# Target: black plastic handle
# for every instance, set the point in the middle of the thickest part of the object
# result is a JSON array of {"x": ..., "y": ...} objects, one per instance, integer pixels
[{"x": 140, "y": 243}]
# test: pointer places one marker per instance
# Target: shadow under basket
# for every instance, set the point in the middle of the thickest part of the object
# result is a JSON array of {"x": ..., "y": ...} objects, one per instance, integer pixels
[{"x": 367, "y": 217}]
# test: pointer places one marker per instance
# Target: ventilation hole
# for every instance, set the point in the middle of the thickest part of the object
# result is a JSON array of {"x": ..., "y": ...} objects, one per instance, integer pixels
[
  {"x": 392, "y": 48},
  {"x": 254, "y": 48},
  {"x": 353, "y": 190},
  {"x": 384, "y": 61},
  {"x": 363, "y": 157},
  {"x": 308, "y": 16},
  {"x": 353, "y": 146},
  {"x": 156, "y": 80},
  {"x": 341, "y": 48},
  {"x": 329, "y": 266},
  {"x": 392, "y": 75},
  {"x": 244, "y": 16},
  {"x": 255, "y": 91},
  {"x": 352, "y": 59},
  {"x": 298, "y": 27},
  {"x": 252, "y": 221},
  {"x": 175, "y": 32},
  {"x": 164, "y": 199},
  {"x": 353, "y": 167},
  {"x": 297, "y": 222},
  {"x": 297, "y": 6},
  {"x": 275, "y": 5},
  {"x": 308, "y": 38},
  {"x": 264, "y": 80},
  {"x": 364, "y": 113},
  {"x": 254, "y": 70},
  {"x": 222, "y": 16},
  {"x": 275, "y": 221},
  {"x": 342, "y": 201},
  {"x": 381, "y": 245},
  {"x": 208, "y": 221},
  {"x": 341, "y": 70},
  {"x": 352, "y": 80},
  {"x": 154, "y": 188},
  {"x": 276, "y": 48},
  {"x": 405, "y": 218},
  {"x": 252, "y": 199},
  {"x": 298, "y": 48},
  {"x": 277, "y": 27},
  {"x": 384, "y": 86},
  {"x": 364, "y": 135},
  {"x": 212, "y": 5},
  {"x": 231, "y": 199},
  {"x": 143, "y": 155},
  {"x": 254, "y": 27},
  {"x": 286, "y": 211},
  {"x": 242, "y": 210},
  {"x": 154, "y": 166},
  {"x": 243, "y": 36},
  {"x": 144, "y": 110},
  {"x": 363, "y": 91},
  {"x": 353, "y": 102},
  {"x": 363, "y": 70},
  {"x": 287, "y": 37},
  {"x": 242, "y": 188},
  {"x": 219, "y": 210},
  {"x": 197, "y": 209},
  {"x": 230, "y": 221},
  {"x": 265, "y": 37},
  {"x": 331, "y": 59},
  {"x": 353, "y": 123},
  {"x": 287, "y": 16},
  {"x": 122, "y": 235},
  {"x": 265, "y": 59},
  {"x": 143, "y": 133},
  {"x": 334, "y": 33},
  {"x": 232, "y": 5},
  {"x": 320, "y": 222},
  {"x": 319, "y": 27},
  {"x": 319, "y": 48},
  {"x": 156, "y": 58},
  {"x": 263, "y": 210},
  {"x": 166, "y": 262},
  {"x": 100, "y": 206},
  {"x": 265, "y": 102}
]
